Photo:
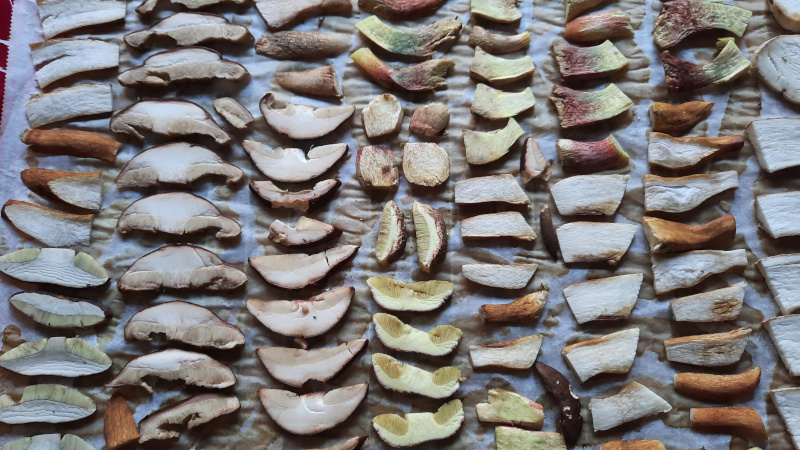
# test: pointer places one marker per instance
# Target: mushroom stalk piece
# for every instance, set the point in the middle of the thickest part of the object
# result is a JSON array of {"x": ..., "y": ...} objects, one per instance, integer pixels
[
  {"x": 430, "y": 120},
  {"x": 56, "y": 59},
  {"x": 589, "y": 194},
  {"x": 307, "y": 232},
  {"x": 534, "y": 164},
  {"x": 178, "y": 163},
  {"x": 392, "y": 234},
  {"x": 499, "y": 71},
  {"x": 57, "y": 266},
  {"x": 383, "y": 116},
  {"x": 193, "y": 412},
  {"x": 303, "y": 45},
  {"x": 573, "y": 8},
  {"x": 396, "y": 335},
  {"x": 506, "y": 407},
  {"x": 59, "y": 16},
  {"x": 549, "y": 235},
  {"x": 46, "y": 403},
  {"x": 610, "y": 24},
  {"x": 420, "y": 296},
  {"x": 376, "y": 168},
  {"x": 50, "y": 227},
  {"x": 786, "y": 401},
  {"x": 523, "y": 310},
  {"x": 774, "y": 63},
  {"x": 781, "y": 272},
  {"x": 81, "y": 144},
  {"x": 405, "y": 378},
  {"x": 119, "y": 426},
  {"x": 55, "y": 311},
  {"x": 681, "y": 18},
  {"x": 741, "y": 421},
  {"x": 787, "y": 14},
  {"x": 303, "y": 121},
  {"x": 425, "y": 164},
  {"x": 489, "y": 146},
  {"x": 185, "y": 64},
  {"x": 586, "y": 242},
  {"x": 303, "y": 318},
  {"x": 431, "y": 234},
  {"x": 148, "y": 6},
  {"x": 665, "y": 236},
  {"x": 233, "y": 112},
  {"x": 69, "y": 103},
  {"x": 680, "y": 194},
  {"x": 167, "y": 117},
  {"x": 718, "y": 305},
  {"x": 420, "y": 42},
  {"x": 186, "y": 323},
  {"x": 294, "y": 366},
  {"x": 585, "y": 63},
  {"x": 417, "y": 428},
  {"x": 503, "y": 276},
  {"x": 682, "y": 153},
  {"x": 422, "y": 77},
  {"x": 717, "y": 388},
  {"x": 517, "y": 354},
  {"x": 590, "y": 157},
  {"x": 499, "y": 225},
  {"x": 610, "y": 354},
  {"x": 298, "y": 270},
  {"x": 292, "y": 165},
  {"x": 502, "y": 188},
  {"x": 322, "y": 82},
  {"x": 609, "y": 298},
  {"x": 311, "y": 413},
  {"x": 570, "y": 419},
  {"x": 195, "y": 369},
  {"x": 66, "y": 357},
  {"x": 684, "y": 270},
  {"x": 708, "y": 350},
  {"x": 581, "y": 108},
  {"x": 510, "y": 438},
  {"x": 632, "y": 402},
  {"x": 81, "y": 189},
  {"x": 783, "y": 331},
  {"x": 185, "y": 28},
  {"x": 500, "y": 11},
  {"x": 497, "y": 43},
  {"x": 678, "y": 119},
  {"x": 773, "y": 141},
  {"x": 279, "y": 14},
  {"x": 400, "y": 9},
  {"x": 305, "y": 200},
  {"x": 728, "y": 65},
  {"x": 776, "y": 213},
  {"x": 494, "y": 104}
]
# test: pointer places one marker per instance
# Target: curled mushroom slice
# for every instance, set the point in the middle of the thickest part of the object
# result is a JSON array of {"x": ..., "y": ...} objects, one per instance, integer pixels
[
  {"x": 303, "y": 121},
  {"x": 585, "y": 242},
  {"x": 498, "y": 71},
  {"x": 421, "y": 296},
  {"x": 56, "y": 59},
  {"x": 294, "y": 366},
  {"x": 350, "y": 444},
  {"x": 192, "y": 412},
  {"x": 46, "y": 403},
  {"x": 303, "y": 45},
  {"x": 526, "y": 309},
  {"x": 59, "y": 356},
  {"x": 292, "y": 165},
  {"x": 400, "y": 9},
  {"x": 417, "y": 428},
  {"x": 776, "y": 213},
  {"x": 59, "y": 17},
  {"x": 396, "y": 335},
  {"x": 179, "y": 163},
  {"x": 311, "y": 413},
  {"x": 682, "y": 153},
  {"x": 533, "y": 164},
  {"x": 233, "y": 112},
  {"x": 786, "y": 401},
  {"x": 503, "y": 276},
  {"x": 298, "y": 270},
  {"x": 392, "y": 234},
  {"x": 773, "y": 141},
  {"x": 502, "y": 188},
  {"x": 632, "y": 402},
  {"x": 185, "y": 28},
  {"x": 279, "y": 14},
  {"x": 195, "y": 369},
  {"x": 49, "y": 441},
  {"x": 69, "y": 103},
  {"x": 680, "y": 194},
  {"x": 307, "y": 232},
  {"x": 665, "y": 236},
  {"x": 741, "y": 421},
  {"x": 487, "y": 147},
  {"x": 304, "y": 200},
  {"x": 178, "y": 213},
  {"x": 590, "y": 157},
  {"x": 682, "y": 18},
  {"x": 497, "y": 43},
  {"x": 501, "y": 11},
  {"x": 167, "y": 117},
  {"x": 419, "y": 42},
  {"x": 321, "y": 81},
  {"x": 55, "y": 311},
  {"x": 509, "y": 224},
  {"x": 678, "y": 119},
  {"x": 684, "y": 270},
  {"x": 81, "y": 189},
  {"x": 510, "y": 438},
  {"x": 50, "y": 227},
  {"x": 148, "y": 6},
  {"x": 589, "y": 194},
  {"x": 186, "y": 323},
  {"x": 783, "y": 330},
  {"x": 494, "y": 104},
  {"x": 780, "y": 273},
  {"x": 517, "y": 354},
  {"x": 581, "y": 108},
  {"x": 422, "y": 77},
  {"x": 506, "y": 407},
  {"x": 713, "y": 306},
  {"x": 773, "y": 62},
  {"x": 425, "y": 164},
  {"x": 383, "y": 116},
  {"x": 585, "y": 63},
  {"x": 610, "y": 354},
  {"x": 58, "y": 266},
  {"x": 431, "y": 234},
  {"x": 303, "y": 318},
  {"x": 610, "y": 24},
  {"x": 405, "y": 378},
  {"x": 573, "y": 8},
  {"x": 180, "y": 267},
  {"x": 708, "y": 350},
  {"x": 717, "y": 388},
  {"x": 609, "y": 298},
  {"x": 570, "y": 419},
  {"x": 728, "y": 65},
  {"x": 81, "y": 144}
]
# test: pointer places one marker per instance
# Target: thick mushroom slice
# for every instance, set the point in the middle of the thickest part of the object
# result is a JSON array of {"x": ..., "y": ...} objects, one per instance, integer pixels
[
  {"x": 119, "y": 426},
  {"x": 292, "y": 165},
  {"x": 517, "y": 354},
  {"x": 376, "y": 168},
  {"x": 589, "y": 194},
  {"x": 425, "y": 163},
  {"x": 682, "y": 18},
  {"x": 48, "y": 226},
  {"x": 69, "y": 103},
  {"x": 321, "y": 81},
  {"x": 59, "y": 356},
  {"x": 186, "y": 323},
  {"x": 294, "y": 366},
  {"x": 195, "y": 369},
  {"x": 279, "y": 14},
  {"x": 306, "y": 233},
  {"x": 233, "y": 112},
  {"x": 590, "y": 157},
  {"x": 148, "y": 6},
  {"x": 581, "y": 108},
  {"x": 167, "y": 117},
  {"x": 609, "y": 24},
  {"x": 81, "y": 144},
  {"x": 549, "y": 235},
  {"x": 298, "y": 270},
  {"x": 573, "y": 8},
  {"x": 586, "y": 242},
  {"x": 383, "y": 116},
  {"x": 610, "y": 354},
  {"x": 303, "y": 121},
  {"x": 187, "y": 28},
  {"x": 684, "y": 270},
  {"x": 392, "y": 234},
  {"x": 728, "y": 65},
  {"x": 304, "y": 45},
  {"x": 786, "y": 400},
  {"x": 422, "y": 77},
  {"x": 311, "y": 413},
  {"x": 777, "y": 213},
  {"x": 350, "y": 444},
  {"x": 498, "y": 43},
  {"x": 494, "y": 104},
  {"x": 682, "y": 153},
  {"x": 197, "y": 410},
  {"x": 396, "y": 335},
  {"x": 787, "y": 14},
  {"x": 741, "y": 421},
  {"x": 178, "y": 213},
  {"x": 502, "y": 188},
  {"x": 58, "y": 266},
  {"x": 717, "y": 388},
  {"x": 419, "y": 42},
  {"x": 500, "y": 11},
  {"x": 507, "y": 407},
  {"x": 781, "y": 273},
  {"x": 46, "y": 403},
  {"x": 503, "y": 276},
  {"x": 303, "y": 318},
  {"x": 499, "y": 71},
  {"x": 305, "y": 200},
  {"x": 680, "y": 194},
  {"x": 586, "y": 63},
  {"x": 59, "y": 16},
  {"x": 632, "y": 402},
  {"x": 611, "y": 298},
  {"x": 489, "y": 146},
  {"x": 49, "y": 442},
  {"x": 179, "y": 163},
  {"x": 511, "y": 438},
  {"x": 665, "y": 236},
  {"x": 570, "y": 419},
  {"x": 708, "y": 350},
  {"x": 773, "y": 141},
  {"x": 430, "y": 120},
  {"x": 431, "y": 234},
  {"x": 405, "y": 378},
  {"x": 417, "y": 428},
  {"x": 81, "y": 189},
  {"x": 499, "y": 225},
  {"x": 180, "y": 267},
  {"x": 718, "y": 305},
  {"x": 525, "y": 309},
  {"x": 533, "y": 164},
  {"x": 785, "y": 334},
  {"x": 421, "y": 296},
  {"x": 400, "y": 9},
  {"x": 55, "y": 311},
  {"x": 56, "y": 59},
  {"x": 678, "y": 119}
]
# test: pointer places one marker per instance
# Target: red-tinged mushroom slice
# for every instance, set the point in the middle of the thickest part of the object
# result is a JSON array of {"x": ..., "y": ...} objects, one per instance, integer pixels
[
  {"x": 417, "y": 428},
  {"x": 684, "y": 270},
  {"x": 586, "y": 63},
  {"x": 718, "y": 305},
  {"x": 632, "y": 402},
  {"x": 498, "y": 43},
  {"x": 298, "y": 270},
  {"x": 610, "y": 24},
  {"x": 741, "y": 421},
  {"x": 425, "y": 164},
  {"x": 180, "y": 267},
  {"x": 517, "y": 354},
  {"x": 717, "y": 388},
  {"x": 350, "y": 444},
  {"x": 611, "y": 298},
  {"x": 507, "y": 407},
  {"x": 509, "y": 224},
  {"x": 589, "y": 194},
  {"x": 569, "y": 419},
  {"x": 376, "y": 168},
  {"x": 786, "y": 401},
  {"x": 56, "y": 59},
  {"x": 165, "y": 423},
  {"x": 148, "y": 6},
  {"x": 167, "y": 117},
  {"x": 682, "y": 153},
  {"x": 682, "y": 18},
  {"x": 678, "y": 119},
  {"x": 69, "y": 103},
  {"x": 581, "y": 108},
  {"x": 502, "y": 188},
  {"x": 405, "y": 378},
  {"x": 46, "y": 403},
  {"x": 431, "y": 234},
  {"x": 499, "y": 71},
  {"x": 294, "y": 366},
  {"x": 392, "y": 234},
  {"x": 586, "y": 242},
  {"x": 186, "y": 323},
  {"x": 665, "y": 236},
  {"x": 500, "y": 11},
  {"x": 59, "y": 17},
  {"x": 280, "y": 14},
  {"x": 610, "y": 354},
  {"x": 303, "y": 318},
  {"x": 590, "y": 157},
  {"x": 526, "y": 309},
  {"x": 396, "y": 335},
  {"x": 780, "y": 273},
  {"x": 57, "y": 266},
  {"x": 322, "y": 82},
  {"x": 55, "y": 311},
  {"x": 776, "y": 213},
  {"x": 57, "y": 356},
  {"x": 728, "y": 65},
  {"x": 573, "y": 8},
  {"x": 311, "y": 413},
  {"x": 511, "y": 438},
  {"x": 419, "y": 42},
  {"x": 81, "y": 189},
  {"x": 534, "y": 165},
  {"x": 773, "y": 141},
  {"x": 303, "y": 121},
  {"x": 186, "y": 28},
  {"x": 421, "y": 296},
  {"x": 787, "y": 14},
  {"x": 233, "y": 112},
  {"x": 50, "y": 227},
  {"x": 422, "y": 77},
  {"x": 400, "y": 9},
  {"x": 303, "y": 45},
  {"x": 307, "y": 232},
  {"x": 304, "y": 200},
  {"x": 194, "y": 369},
  {"x": 503, "y": 276},
  {"x": 680, "y": 194},
  {"x": 292, "y": 165},
  {"x": 708, "y": 350},
  {"x": 178, "y": 163},
  {"x": 783, "y": 330},
  {"x": 494, "y": 104},
  {"x": 383, "y": 116},
  {"x": 81, "y": 144},
  {"x": 487, "y": 147}
]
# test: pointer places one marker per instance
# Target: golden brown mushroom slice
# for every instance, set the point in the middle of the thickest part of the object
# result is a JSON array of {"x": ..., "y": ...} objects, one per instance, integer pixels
[
  {"x": 57, "y": 266},
  {"x": 69, "y": 103},
  {"x": 119, "y": 427},
  {"x": 321, "y": 81},
  {"x": 417, "y": 428},
  {"x": 48, "y": 226},
  {"x": 293, "y": 165},
  {"x": 178, "y": 163},
  {"x": 46, "y": 403},
  {"x": 186, "y": 323},
  {"x": 498, "y": 43},
  {"x": 195, "y": 369},
  {"x": 430, "y": 120},
  {"x": 303, "y": 121},
  {"x": 280, "y": 14},
  {"x": 634, "y": 444},
  {"x": 189, "y": 28},
  {"x": 169, "y": 117},
  {"x": 678, "y": 119},
  {"x": 294, "y": 366},
  {"x": 305, "y": 200},
  {"x": 302, "y": 45},
  {"x": 303, "y": 318},
  {"x": 81, "y": 144},
  {"x": 665, "y": 236},
  {"x": 525, "y": 309},
  {"x": 56, "y": 59},
  {"x": 741, "y": 421},
  {"x": 717, "y": 388},
  {"x": 298, "y": 270},
  {"x": 192, "y": 412},
  {"x": 311, "y": 413},
  {"x": 59, "y": 17}
]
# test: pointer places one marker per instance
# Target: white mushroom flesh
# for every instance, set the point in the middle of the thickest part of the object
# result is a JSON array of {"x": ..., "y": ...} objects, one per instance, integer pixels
[
  {"x": 518, "y": 354},
  {"x": 69, "y": 103},
  {"x": 610, "y": 354},
  {"x": 681, "y": 194},
  {"x": 584, "y": 242},
  {"x": 609, "y": 298},
  {"x": 61, "y": 58},
  {"x": 589, "y": 194},
  {"x": 632, "y": 402},
  {"x": 684, "y": 270}
]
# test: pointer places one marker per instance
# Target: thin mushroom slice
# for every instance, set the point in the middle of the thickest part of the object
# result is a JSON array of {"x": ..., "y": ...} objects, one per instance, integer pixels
[
  {"x": 233, "y": 112},
  {"x": 781, "y": 274},
  {"x": 311, "y": 413},
  {"x": 383, "y": 116},
  {"x": 305, "y": 200},
  {"x": 774, "y": 63},
  {"x": 586, "y": 63},
  {"x": 682, "y": 153},
  {"x": 148, "y": 6},
  {"x": 405, "y": 378},
  {"x": 60, "y": 16},
  {"x": 684, "y": 270},
  {"x": 417, "y": 428},
  {"x": 81, "y": 189},
  {"x": 307, "y": 232},
  {"x": 680, "y": 194},
  {"x": 632, "y": 402},
  {"x": 682, "y": 18},
  {"x": 517, "y": 354},
  {"x": 609, "y": 24},
  {"x": 59, "y": 312},
  {"x": 180, "y": 267},
  {"x": 776, "y": 213},
  {"x": 570, "y": 420},
  {"x": 189, "y": 28},
  {"x": 785, "y": 334},
  {"x": 611, "y": 298},
  {"x": 708, "y": 350},
  {"x": 717, "y": 388},
  {"x": 420, "y": 42},
  {"x": 499, "y": 225},
  {"x": 526, "y": 309},
  {"x": 81, "y": 144},
  {"x": 294, "y": 366},
  {"x": 178, "y": 163},
  {"x": 49, "y": 442},
  {"x": 728, "y": 65},
  {"x": 392, "y": 234},
  {"x": 59, "y": 356},
  {"x": 586, "y": 242},
  {"x": 350, "y": 444},
  {"x": 786, "y": 401},
  {"x": 58, "y": 266},
  {"x": 503, "y": 276},
  {"x": 533, "y": 164},
  {"x": 302, "y": 45},
  {"x": 610, "y": 354},
  {"x": 197, "y": 410},
  {"x": 678, "y": 119},
  {"x": 298, "y": 270},
  {"x": 500, "y": 11},
  {"x": 186, "y": 323},
  {"x": 169, "y": 117},
  {"x": 56, "y": 59},
  {"x": 421, "y": 296},
  {"x": 591, "y": 157},
  {"x": 425, "y": 164},
  {"x": 396, "y": 335},
  {"x": 511, "y": 438},
  {"x": 502, "y": 188},
  {"x": 195, "y": 369},
  {"x": 499, "y": 71},
  {"x": 741, "y": 421},
  {"x": 486, "y": 147},
  {"x": 279, "y": 14},
  {"x": 425, "y": 76},
  {"x": 773, "y": 141},
  {"x": 303, "y": 121},
  {"x": 50, "y": 227},
  {"x": 430, "y": 120},
  {"x": 665, "y": 236},
  {"x": 494, "y": 104},
  {"x": 431, "y": 234},
  {"x": 498, "y": 43},
  {"x": 292, "y": 165},
  {"x": 303, "y": 318},
  {"x": 46, "y": 403},
  {"x": 322, "y": 82},
  {"x": 581, "y": 108},
  {"x": 718, "y": 305},
  {"x": 589, "y": 194},
  {"x": 507, "y": 407},
  {"x": 69, "y": 103},
  {"x": 400, "y": 9},
  {"x": 573, "y": 8}
]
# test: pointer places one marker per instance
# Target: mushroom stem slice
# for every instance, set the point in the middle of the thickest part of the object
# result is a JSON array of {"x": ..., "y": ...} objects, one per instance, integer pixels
[
  {"x": 182, "y": 65},
  {"x": 573, "y": 8},
  {"x": 585, "y": 63},
  {"x": 570, "y": 419},
  {"x": 69, "y": 103},
  {"x": 776, "y": 213},
  {"x": 590, "y": 157},
  {"x": 632, "y": 402},
  {"x": 510, "y": 438},
  {"x": 494, "y": 104},
  {"x": 302, "y": 45},
  {"x": 718, "y": 305},
  {"x": 502, "y": 188},
  {"x": 523, "y": 310},
  {"x": 773, "y": 141},
  {"x": 81, "y": 189},
  {"x": 589, "y": 194},
  {"x": 499, "y": 71},
  {"x": 279, "y": 14},
  {"x": 499, "y": 225},
  {"x": 586, "y": 242},
  {"x": 708, "y": 350},
  {"x": 187, "y": 28},
  {"x": 294, "y": 366},
  {"x": 82, "y": 144},
  {"x": 786, "y": 400},
  {"x": 119, "y": 427},
  {"x": 498, "y": 43},
  {"x": 321, "y": 81},
  {"x": 682, "y": 18},
  {"x": 486, "y": 147},
  {"x": 785, "y": 335},
  {"x": 684, "y": 270},
  {"x": 56, "y": 59},
  {"x": 741, "y": 421},
  {"x": 396, "y": 335},
  {"x": 59, "y": 356},
  {"x": 405, "y": 378},
  {"x": 167, "y": 117},
  {"x": 717, "y": 388},
  {"x": 728, "y": 65},
  {"x": 55, "y": 311},
  {"x": 665, "y": 236},
  {"x": 396, "y": 295},
  {"x": 680, "y": 194},
  {"x": 775, "y": 67},
  {"x": 400, "y": 9},
  {"x": 392, "y": 234},
  {"x": 503, "y": 276},
  {"x": 298, "y": 270},
  {"x": 506, "y": 407},
  {"x": 678, "y": 119},
  {"x": 376, "y": 168},
  {"x": 422, "y": 77},
  {"x": 611, "y": 298},
  {"x": 534, "y": 164},
  {"x": 307, "y": 232},
  {"x": 517, "y": 354},
  {"x": 549, "y": 235},
  {"x": 431, "y": 235},
  {"x": 303, "y": 318},
  {"x": 781, "y": 273},
  {"x": 195, "y": 369},
  {"x": 383, "y": 116},
  {"x": 311, "y": 413},
  {"x": 420, "y": 42},
  {"x": 634, "y": 444},
  {"x": 303, "y": 121},
  {"x": 57, "y": 266},
  {"x": 292, "y": 165},
  {"x": 59, "y": 17},
  {"x": 233, "y": 112},
  {"x": 425, "y": 164},
  {"x": 46, "y": 403},
  {"x": 193, "y": 412},
  {"x": 50, "y": 227},
  {"x": 610, "y": 354},
  {"x": 430, "y": 120},
  {"x": 610, "y": 24},
  {"x": 417, "y": 428},
  {"x": 682, "y": 153},
  {"x": 581, "y": 108},
  {"x": 305, "y": 200},
  {"x": 500, "y": 11}
]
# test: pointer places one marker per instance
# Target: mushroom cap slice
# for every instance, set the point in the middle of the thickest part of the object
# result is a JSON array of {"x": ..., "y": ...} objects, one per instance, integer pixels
[
  {"x": 190, "y": 28},
  {"x": 181, "y": 267},
  {"x": 298, "y": 270},
  {"x": 431, "y": 235},
  {"x": 713, "y": 306},
  {"x": 682, "y": 153},
  {"x": 773, "y": 141},
  {"x": 425, "y": 76},
  {"x": 785, "y": 334},
  {"x": 517, "y": 354},
  {"x": 786, "y": 401},
  {"x": 321, "y": 81},
  {"x": 584, "y": 63},
  {"x": 147, "y": 6},
  {"x": 508, "y": 407},
  {"x": 777, "y": 212},
  {"x": 192, "y": 368},
  {"x": 304, "y": 200},
  {"x": 684, "y": 270},
  {"x": 609, "y": 298},
  {"x": 383, "y": 116},
  {"x": 417, "y": 428},
  {"x": 678, "y": 119},
  {"x": 708, "y": 350},
  {"x": 787, "y": 13},
  {"x": 632, "y": 402},
  {"x": 610, "y": 354},
  {"x": 585, "y": 242},
  {"x": 307, "y": 232},
  {"x": 504, "y": 276},
  {"x": 781, "y": 273},
  {"x": 61, "y": 58},
  {"x": 741, "y": 421},
  {"x": 509, "y": 224},
  {"x": 303, "y": 121},
  {"x": 49, "y": 441},
  {"x": 58, "y": 266},
  {"x": 294, "y": 366},
  {"x": 510, "y": 438},
  {"x": 60, "y": 356},
  {"x": 728, "y": 65},
  {"x": 60, "y": 17},
  {"x": 183, "y": 322},
  {"x": 682, "y": 18},
  {"x": 48, "y": 226},
  {"x": 280, "y": 14},
  {"x": 419, "y": 42},
  {"x": 397, "y": 376},
  {"x": 589, "y": 194},
  {"x": 182, "y": 65},
  {"x": 681, "y": 194},
  {"x": 311, "y": 413},
  {"x": 193, "y": 412},
  {"x": 167, "y": 117},
  {"x": 291, "y": 165},
  {"x": 487, "y": 147},
  {"x": 421, "y": 296},
  {"x": 81, "y": 189},
  {"x": 666, "y": 236},
  {"x": 177, "y": 213},
  {"x": 502, "y": 188},
  {"x": 47, "y": 403},
  {"x": 55, "y": 311},
  {"x": 430, "y": 120},
  {"x": 498, "y": 71},
  {"x": 396, "y": 335},
  {"x": 69, "y": 103},
  {"x": 400, "y": 9},
  {"x": 303, "y": 318}
]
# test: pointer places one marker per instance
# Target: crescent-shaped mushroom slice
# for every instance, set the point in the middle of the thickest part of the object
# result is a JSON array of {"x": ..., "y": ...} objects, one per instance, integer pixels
[
  {"x": 196, "y": 369},
  {"x": 55, "y": 311},
  {"x": 405, "y": 378},
  {"x": 684, "y": 270},
  {"x": 498, "y": 43},
  {"x": 190, "y": 29},
  {"x": 175, "y": 163},
  {"x": 303, "y": 121},
  {"x": 69, "y": 103},
  {"x": 192, "y": 412},
  {"x": 400, "y": 9},
  {"x": 148, "y": 6},
  {"x": 292, "y": 165},
  {"x": 178, "y": 213},
  {"x": 786, "y": 400},
  {"x": 181, "y": 267},
  {"x": 585, "y": 63},
  {"x": 517, "y": 354},
  {"x": 681, "y": 18},
  {"x": 56, "y": 59},
  {"x": 59, "y": 16},
  {"x": 81, "y": 144},
  {"x": 59, "y": 356},
  {"x": 709, "y": 350},
  {"x": 785, "y": 334},
  {"x": 781, "y": 273},
  {"x": 48, "y": 226},
  {"x": 396, "y": 335},
  {"x": 58, "y": 266},
  {"x": 680, "y": 194},
  {"x": 81, "y": 189},
  {"x": 728, "y": 65},
  {"x": 182, "y": 65},
  {"x": 610, "y": 354},
  {"x": 294, "y": 366},
  {"x": 419, "y": 42},
  {"x": 311, "y": 413},
  {"x": 307, "y": 232},
  {"x": 298, "y": 270},
  {"x": 186, "y": 323},
  {"x": 718, "y": 305},
  {"x": 303, "y": 318},
  {"x": 46, "y": 403},
  {"x": 49, "y": 442},
  {"x": 417, "y": 428},
  {"x": 586, "y": 242},
  {"x": 611, "y": 298},
  {"x": 167, "y": 117},
  {"x": 304, "y": 200},
  {"x": 396, "y": 295},
  {"x": 425, "y": 76},
  {"x": 632, "y": 402},
  {"x": 350, "y": 444},
  {"x": 280, "y": 14}
]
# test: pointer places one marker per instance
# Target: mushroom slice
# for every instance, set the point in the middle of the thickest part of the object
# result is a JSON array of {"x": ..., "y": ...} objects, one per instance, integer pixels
[
  {"x": 279, "y": 14},
  {"x": 425, "y": 164},
  {"x": 81, "y": 144},
  {"x": 180, "y": 267},
  {"x": 534, "y": 164},
  {"x": 49, "y": 441},
  {"x": 57, "y": 266},
  {"x": 510, "y": 438},
  {"x": 321, "y": 81},
  {"x": 382, "y": 116},
  {"x": 708, "y": 350},
  {"x": 304, "y": 45},
  {"x": 781, "y": 274},
  {"x": 499, "y": 71},
  {"x": 298, "y": 270},
  {"x": 46, "y": 403},
  {"x": 400, "y": 9},
  {"x": 517, "y": 354},
  {"x": 419, "y": 42},
  {"x": 396, "y": 335},
  {"x": 59, "y": 16},
  {"x": 421, "y": 296},
  {"x": 682, "y": 18},
  {"x": 785, "y": 334},
  {"x": 609, "y": 24},
  {"x": 119, "y": 427},
  {"x": 55, "y": 311},
  {"x": 611, "y": 298},
  {"x": 392, "y": 234},
  {"x": 507, "y": 224},
  {"x": 431, "y": 235},
  {"x": 50, "y": 227},
  {"x": 684, "y": 270},
  {"x": 175, "y": 163},
  {"x": 717, "y": 388},
  {"x": 81, "y": 189},
  {"x": 680, "y": 194},
  {"x": 192, "y": 412},
  {"x": 589, "y": 194},
  {"x": 494, "y": 104},
  {"x": 776, "y": 213},
  {"x": 498, "y": 43},
  {"x": 590, "y": 157},
  {"x": 586, "y": 242},
  {"x": 170, "y": 117},
  {"x": 292, "y": 165},
  {"x": 549, "y": 235},
  {"x": 422, "y": 77},
  {"x": 186, "y": 323},
  {"x": 666, "y": 236},
  {"x": 741, "y": 421},
  {"x": 581, "y": 108},
  {"x": 682, "y": 153},
  {"x": 69, "y": 103},
  {"x": 405, "y": 378},
  {"x": 787, "y": 14},
  {"x": 610, "y": 354},
  {"x": 311, "y": 413},
  {"x": 195, "y": 369},
  {"x": 233, "y": 112},
  {"x": 570, "y": 420},
  {"x": 504, "y": 276},
  {"x": 178, "y": 213},
  {"x": 350, "y": 444},
  {"x": 487, "y": 147},
  {"x": 187, "y": 28},
  {"x": 59, "y": 356},
  {"x": 632, "y": 402},
  {"x": 728, "y": 65},
  {"x": 56, "y": 59},
  {"x": 148, "y": 6},
  {"x": 417, "y": 428},
  {"x": 573, "y": 8},
  {"x": 303, "y": 318},
  {"x": 430, "y": 120},
  {"x": 773, "y": 141},
  {"x": 786, "y": 400},
  {"x": 502, "y": 188},
  {"x": 522, "y": 310},
  {"x": 303, "y": 121},
  {"x": 500, "y": 11},
  {"x": 307, "y": 232},
  {"x": 294, "y": 366},
  {"x": 376, "y": 168},
  {"x": 678, "y": 119},
  {"x": 508, "y": 407},
  {"x": 304, "y": 200},
  {"x": 586, "y": 63},
  {"x": 718, "y": 305}
]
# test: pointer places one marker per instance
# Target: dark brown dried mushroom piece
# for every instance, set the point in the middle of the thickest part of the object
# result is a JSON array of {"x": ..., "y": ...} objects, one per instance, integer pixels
[
  {"x": 189, "y": 28},
  {"x": 193, "y": 412},
  {"x": 186, "y": 323},
  {"x": 302, "y": 45},
  {"x": 175, "y": 163},
  {"x": 119, "y": 427},
  {"x": 303, "y": 318},
  {"x": 321, "y": 81},
  {"x": 570, "y": 419},
  {"x": 280, "y": 14},
  {"x": 526, "y": 309},
  {"x": 741, "y": 421},
  {"x": 549, "y": 235},
  {"x": 298, "y": 270},
  {"x": 717, "y": 388},
  {"x": 167, "y": 117},
  {"x": 304, "y": 200},
  {"x": 195, "y": 369}
]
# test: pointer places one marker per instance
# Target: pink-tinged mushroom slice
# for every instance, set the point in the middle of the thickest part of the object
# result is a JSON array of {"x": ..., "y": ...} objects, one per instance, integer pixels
[
  {"x": 298, "y": 270},
  {"x": 312, "y": 413},
  {"x": 590, "y": 157},
  {"x": 584, "y": 63},
  {"x": 303, "y": 318},
  {"x": 50, "y": 227},
  {"x": 581, "y": 108},
  {"x": 611, "y": 24},
  {"x": 681, "y": 18},
  {"x": 422, "y": 77},
  {"x": 728, "y": 65}
]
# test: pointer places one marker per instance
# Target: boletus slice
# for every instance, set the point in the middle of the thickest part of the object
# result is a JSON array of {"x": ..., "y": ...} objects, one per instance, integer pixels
[
  {"x": 169, "y": 117},
  {"x": 776, "y": 213},
  {"x": 311, "y": 413},
  {"x": 422, "y": 77},
  {"x": 503, "y": 276},
  {"x": 420, "y": 296},
  {"x": 179, "y": 163},
  {"x": 186, "y": 323},
  {"x": 48, "y": 226},
  {"x": 773, "y": 61},
  {"x": 419, "y": 42},
  {"x": 81, "y": 189},
  {"x": 303, "y": 318},
  {"x": 680, "y": 194},
  {"x": 728, "y": 65},
  {"x": 586, "y": 242},
  {"x": 322, "y": 82},
  {"x": 59, "y": 17},
  {"x": 708, "y": 350},
  {"x": 498, "y": 43},
  {"x": 589, "y": 194},
  {"x": 498, "y": 71},
  {"x": 489, "y": 146},
  {"x": 741, "y": 421},
  {"x": 517, "y": 354},
  {"x": 533, "y": 164},
  {"x": 634, "y": 444},
  {"x": 678, "y": 119},
  {"x": 292, "y": 165},
  {"x": 632, "y": 402},
  {"x": 392, "y": 234},
  {"x": 304, "y": 200},
  {"x": 58, "y": 266},
  {"x": 294, "y": 366},
  {"x": 684, "y": 270},
  {"x": 383, "y": 116},
  {"x": 195, "y": 369},
  {"x": 55, "y": 311},
  {"x": 717, "y": 388},
  {"x": 526, "y": 309},
  {"x": 786, "y": 401},
  {"x": 431, "y": 235},
  {"x": 279, "y": 14},
  {"x": 510, "y": 438},
  {"x": 682, "y": 18},
  {"x": 396, "y": 335},
  {"x": 772, "y": 140},
  {"x": 56, "y": 59},
  {"x": 307, "y": 232},
  {"x": 500, "y": 11},
  {"x": 417, "y": 428},
  {"x": 81, "y": 144},
  {"x": 46, "y": 403},
  {"x": 494, "y": 104},
  {"x": 303, "y": 121},
  {"x": 569, "y": 404},
  {"x": 573, "y": 8},
  {"x": 608, "y": 24},
  {"x": 611, "y": 298},
  {"x": 507, "y": 407},
  {"x": 376, "y": 168},
  {"x": 400, "y": 9},
  {"x": 304, "y": 45},
  {"x": 502, "y": 188},
  {"x": 586, "y": 63},
  {"x": 783, "y": 330},
  {"x": 430, "y": 120},
  {"x": 185, "y": 64},
  {"x": 405, "y": 378},
  {"x": 298, "y": 270},
  {"x": 59, "y": 356},
  {"x": 591, "y": 157},
  {"x": 189, "y": 28},
  {"x": 509, "y": 224},
  {"x": 610, "y": 354},
  {"x": 69, "y": 103},
  {"x": 780, "y": 273},
  {"x": 233, "y": 112},
  {"x": 191, "y": 412},
  {"x": 581, "y": 108},
  {"x": 665, "y": 236}
]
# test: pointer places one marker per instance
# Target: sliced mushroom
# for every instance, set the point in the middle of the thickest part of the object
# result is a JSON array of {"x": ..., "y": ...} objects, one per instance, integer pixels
[
  {"x": 167, "y": 117},
  {"x": 307, "y": 232},
  {"x": 632, "y": 402},
  {"x": 321, "y": 81},
  {"x": 350, "y": 444},
  {"x": 678, "y": 119},
  {"x": 503, "y": 276},
  {"x": 728, "y": 65},
  {"x": 683, "y": 18},
  {"x": 585, "y": 63},
  {"x": 499, "y": 225},
  {"x": 189, "y": 28},
  {"x": 376, "y": 168},
  {"x": 180, "y": 267},
  {"x": 502, "y": 188},
  {"x": 498, "y": 43},
  {"x": 311, "y": 413},
  {"x": 431, "y": 234},
  {"x": 786, "y": 401},
  {"x": 191, "y": 412},
  {"x": 119, "y": 427},
  {"x": 611, "y": 298},
  {"x": 233, "y": 112},
  {"x": 48, "y": 442},
  {"x": 549, "y": 235},
  {"x": 421, "y": 296},
  {"x": 392, "y": 234},
  {"x": 186, "y": 323},
  {"x": 46, "y": 403},
  {"x": 183, "y": 64},
  {"x": 298, "y": 270},
  {"x": 570, "y": 419},
  {"x": 430, "y": 120},
  {"x": 175, "y": 163},
  {"x": 773, "y": 141},
  {"x": 303, "y": 318},
  {"x": 610, "y": 354},
  {"x": 684, "y": 270},
  {"x": 396, "y": 335},
  {"x": 517, "y": 354},
  {"x": 50, "y": 227},
  {"x": 292, "y": 165},
  {"x": 776, "y": 213},
  {"x": 66, "y": 357},
  {"x": 781, "y": 274},
  {"x": 195, "y": 369},
  {"x": 422, "y": 77},
  {"x": 81, "y": 189},
  {"x": 294, "y": 366},
  {"x": 499, "y": 71},
  {"x": 586, "y": 242},
  {"x": 665, "y": 236},
  {"x": 590, "y": 157},
  {"x": 581, "y": 108},
  {"x": 419, "y": 42},
  {"x": 526, "y": 309},
  {"x": 58, "y": 266},
  {"x": 717, "y": 388},
  {"x": 59, "y": 17},
  {"x": 383, "y": 116},
  {"x": 510, "y": 438},
  {"x": 573, "y": 8},
  {"x": 589, "y": 194},
  {"x": 741, "y": 421},
  {"x": 305, "y": 200},
  {"x": 494, "y": 104},
  {"x": 609, "y": 24},
  {"x": 501, "y": 11},
  {"x": 425, "y": 164},
  {"x": 400, "y": 9},
  {"x": 680, "y": 194},
  {"x": 55, "y": 311},
  {"x": 405, "y": 378},
  {"x": 534, "y": 165},
  {"x": 303, "y": 121},
  {"x": 69, "y": 103},
  {"x": 417, "y": 428},
  {"x": 278, "y": 14},
  {"x": 82, "y": 144},
  {"x": 718, "y": 305},
  {"x": 709, "y": 350},
  {"x": 489, "y": 146},
  {"x": 506, "y": 407},
  {"x": 785, "y": 336},
  {"x": 682, "y": 153},
  {"x": 56, "y": 59},
  {"x": 303, "y": 45},
  {"x": 786, "y": 13}
]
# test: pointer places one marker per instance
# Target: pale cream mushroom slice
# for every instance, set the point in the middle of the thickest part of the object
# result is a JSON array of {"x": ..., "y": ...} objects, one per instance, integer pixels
[
  {"x": 376, "y": 168},
  {"x": 507, "y": 407},
  {"x": 498, "y": 225},
  {"x": 525, "y": 309},
  {"x": 430, "y": 120},
  {"x": 498, "y": 71},
  {"x": 634, "y": 401},
  {"x": 292, "y": 165},
  {"x": 394, "y": 334},
  {"x": 586, "y": 242},
  {"x": 392, "y": 235},
  {"x": 81, "y": 189},
  {"x": 311, "y": 413},
  {"x": 498, "y": 43},
  {"x": 307, "y": 232},
  {"x": 417, "y": 428},
  {"x": 680, "y": 194},
  {"x": 500, "y": 11},
  {"x": 773, "y": 141},
  {"x": 321, "y": 81},
  {"x": 606, "y": 24},
  {"x": 148, "y": 6},
  {"x": 585, "y": 63},
  {"x": 61, "y": 16},
  {"x": 56, "y": 59},
  {"x": 383, "y": 116},
  {"x": 195, "y": 369},
  {"x": 685, "y": 270},
  {"x": 502, "y": 188},
  {"x": 786, "y": 400},
  {"x": 192, "y": 412},
  {"x": 776, "y": 213},
  {"x": 420, "y": 296},
  {"x": 46, "y": 403},
  {"x": 69, "y": 103},
  {"x": 298, "y": 270},
  {"x": 785, "y": 334},
  {"x": 233, "y": 112},
  {"x": 303, "y": 121},
  {"x": 58, "y": 266},
  {"x": 169, "y": 117},
  {"x": 59, "y": 356},
  {"x": 294, "y": 366},
  {"x": 405, "y": 378},
  {"x": 774, "y": 64},
  {"x": 718, "y": 305},
  {"x": 431, "y": 234},
  {"x": 279, "y": 14},
  {"x": 420, "y": 42},
  {"x": 304, "y": 200},
  {"x": 589, "y": 194},
  {"x": 787, "y": 13},
  {"x": 533, "y": 164},
  {"x": 49, "y": 442},
  {"x": 517, "y": 354},
  {"x": 781, "y": 274},
  {"x": 708, "y": 350},
  {"x": 611, "y": 298},
  {"x": 494, "y": 104},
  {"x": 503, "y": 276},
  {"x": 486, "y": 147},
  {"x": 665, "y": 236},
  {"x": 178, "y": 163},
  {"x": 610, "y": 354},
  {"x": 425, "y": 164},
  {"x": 717, "y": 388},
  {"x": 303, "y": 45},
  {"x": 180, "y": 267},
  {"x": 685, "y": 152},
  {"x": 303, "y": 318},
  {"x": 55, "y": 311},
  {"x": 182, "y": 65},
  {"x": 189, "y": 28},
  {"x": 512, "y": 438},
  {"x": 400, "y": 9},
  {"x": 350, "y": 444},
  {"x": 48, "y": 226},
  {"x": 183, "y": 322}
]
